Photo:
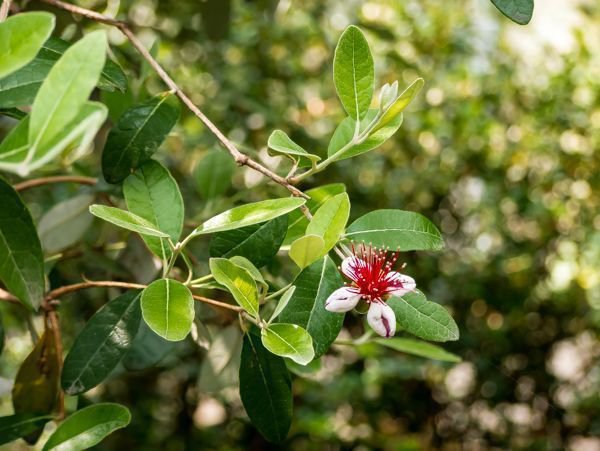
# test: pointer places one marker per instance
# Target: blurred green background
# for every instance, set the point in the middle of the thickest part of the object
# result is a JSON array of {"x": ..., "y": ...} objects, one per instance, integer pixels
[{"x": 499, "y": 150}]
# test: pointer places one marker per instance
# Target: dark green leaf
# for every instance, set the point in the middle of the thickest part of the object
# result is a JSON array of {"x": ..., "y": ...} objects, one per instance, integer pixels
[
  {"x": 137, "y": 135},
  {"x": 427, "y": 320},
  {"x": 213, "y": 174},
  {"x": 265, "y": 389},
  {"x": 307, "y": 305},
  {"x": 519, "y": 11},
  {"x": 101, "y": 344},
  {"x": 259, "y": 243},
  {"x": 396, "y": 229},
  {"x": 152, "y": 193},
  {"x": 21, "y": 425},
  {"x": 88, "y": 427},
  {"x": 21, "y": 259},
  {"x": 419, "y": 348}
]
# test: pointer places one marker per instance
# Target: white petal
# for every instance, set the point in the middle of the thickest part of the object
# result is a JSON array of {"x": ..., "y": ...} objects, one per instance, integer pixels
[
  {"x": 408, "y": 283},
  {"x": 349, "y": 266},
  {"x": 382, "y": 319},
  {"x": 342, "y": 300}
]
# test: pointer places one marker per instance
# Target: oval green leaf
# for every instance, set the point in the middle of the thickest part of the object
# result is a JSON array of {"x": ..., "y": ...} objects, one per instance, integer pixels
[
  {"x": 137, "y": 135},
  {"x": 21, "y": 259},
  {"x": 519, "y": 11},
  {"x": 330, "y": 221},
  {"x": 213, "y": 174},
  {"x": 152, "y": 193},
  {"x": 306, "y": 308},
  {"x": 396, "y": 229},
  {"x": 353, "y": 72},
  {"x": 238, "y": 281},
  {"x": 265, "y": 389},
  {"x": 21, "y": 37},
  {"x": 418, "y": 348},
  {"x": 88, "y": 427},
  {"x": 101, "y": 344},
  {"x": 126, "y": 220},
  {"x": 249, "y": 214},
  {"x": 289, "y": 340},
  {"x": 168, "y": 308},
  {"x": 427, "y": 320},
  {"x": 281, "y": 144},
  {"x": 306, "y": 250}
]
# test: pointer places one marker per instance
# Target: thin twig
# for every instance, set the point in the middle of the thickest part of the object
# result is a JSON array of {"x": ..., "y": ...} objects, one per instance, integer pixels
[
  {"x": 239, "y": 157},
  {"x": 53, "y": 326},
  {"x": 55, "y": 179},
  {"x": 4, "y": 8}
]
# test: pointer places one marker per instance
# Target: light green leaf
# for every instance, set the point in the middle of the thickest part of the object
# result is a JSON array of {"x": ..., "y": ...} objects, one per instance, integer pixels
[
  {"x": 21, "y": 259},
  {"x": 418, "y": 348},
  {"x": 297, "y": 222},
  {"x": 288, "y": 340},
  {"x": 283, "y": 302},
  {"x": 65, "y": 223},
  {"x": 353, "y": 72},
  {"x": 396, "y": 229},
  {"x": 213, "y": 174},
  {"x": 396, "y": 108},
  {"x": 281, "y": 144},
  {"x": 246, "y": 264},
  {"x": 306, "y": 250},
  {"x": 265, "y": 389},
  {"x": 427, "y": 320},
  {"x": 21, "y": 37},
  {"x": 66, "y": 89},
  {"x": 126, "y": 220},
  {"x": 306, "y": 308},
  {"x": 152, "y": 193},
  {"x": 344, "y": 133},
  {"x": 238, "y": 281},
  {"x": 249, "y": 214},
  {"x": 101, "y": 344},
  {"x": 88, "y": 427},
  {"x": 137, "y": 135},
  {"x": 330, "y": 221},
  {"x": 519, "y": 11},
  {"x": 168, "y": 308}
]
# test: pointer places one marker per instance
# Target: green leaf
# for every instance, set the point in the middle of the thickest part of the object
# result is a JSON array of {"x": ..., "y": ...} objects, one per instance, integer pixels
[
  {"x": 297, "y": 222},
  {"x": 419, "y": 348},
  {"x": 289, "y": 340},
  {"x": 65, "y": 223},
  {"x": 21, "y": 87},
  {"x": 306, "y": 250},
  {"x": 246, "y": 264},
  {"x": 281, "y": 144},
  {"x": 344, "y": 133},
  {"x": 88, "y": 427},
  {"x": 147, "y": 349},
  {"x": 265, "y": 389},
  {"x": 152, "y": 193},
  {"x": 14, "y": 113},
  {"x": 36, "y": 385},
  {"x": 126, "y": 220},
  {"x": 401, "y": 102},
  {"x": 21, "y": 37},
  {"x": 306, "y": 308},
  {"x": 2, "y": 336},
  {"x": 519, "y": 11},
  {"x": 137, "y": 135},
  {"x": 168, "y": 308},
  {"x": 101, "y": 344},
  {"x": 396, "y": 229},
  {"x": 66, "y": 89},
  {"x": 427, "y": 320},
  {"x": 353, "y": 72},
  {"x": 213, "y": 174},
  {"x": 330, "y": 221},
  {"x": 238, "y": 281},
  {"x": 14, "y": 427},
  {"x": 249, "y": 214},
  {"x": 259, "y": 243},
  {"x": 283, "y": 302},
  {"x": 21, "y": 259}
]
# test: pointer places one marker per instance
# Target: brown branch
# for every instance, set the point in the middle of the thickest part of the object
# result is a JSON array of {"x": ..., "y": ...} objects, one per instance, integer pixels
[
  {"x": 56, "y": 179},
  {"x": 239, "y": 157},
  {"x": 4, "y": 8},
  {"x": 53, "y": 326}
]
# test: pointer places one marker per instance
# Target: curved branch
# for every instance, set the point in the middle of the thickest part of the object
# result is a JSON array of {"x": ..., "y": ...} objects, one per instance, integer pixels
[{"x": 55, "y": 179}]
